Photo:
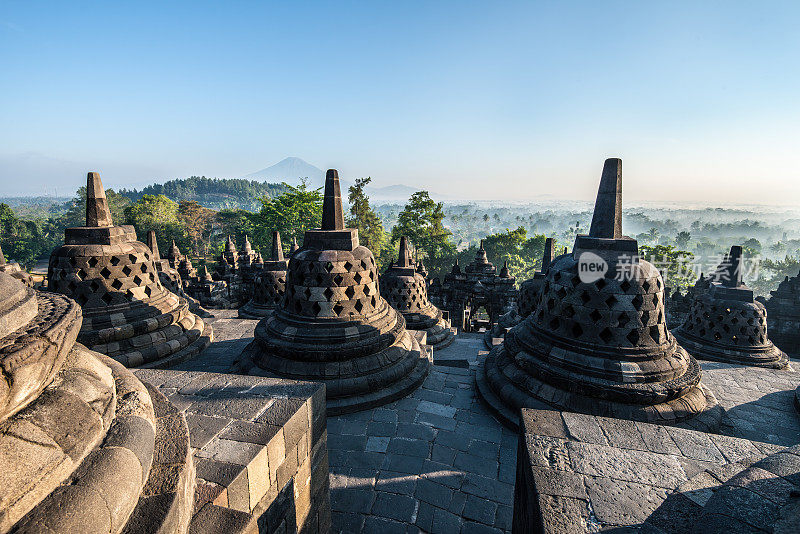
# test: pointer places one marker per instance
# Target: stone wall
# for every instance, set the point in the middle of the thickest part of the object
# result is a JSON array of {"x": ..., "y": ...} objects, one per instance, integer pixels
[{"x": 260, "y": 450}]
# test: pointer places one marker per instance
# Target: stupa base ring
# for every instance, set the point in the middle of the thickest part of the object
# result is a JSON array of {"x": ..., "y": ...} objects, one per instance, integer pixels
[
  {"x": 771, "y": 357},
  {"x": 698, "y": 409}
]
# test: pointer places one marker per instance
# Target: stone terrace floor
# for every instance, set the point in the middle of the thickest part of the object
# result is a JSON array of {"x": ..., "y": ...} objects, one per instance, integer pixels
[{"x": 436, "y": 461}]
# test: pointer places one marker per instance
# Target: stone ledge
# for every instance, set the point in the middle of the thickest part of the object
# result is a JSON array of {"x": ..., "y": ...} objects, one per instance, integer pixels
[
  {"x": 260, "y": 449},
  {"x": 582, "y": 473}
]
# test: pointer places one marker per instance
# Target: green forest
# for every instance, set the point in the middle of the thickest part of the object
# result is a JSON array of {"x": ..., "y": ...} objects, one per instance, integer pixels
[
  {"x": 212, "y": 193},
  {"x": 199, "y": 213}
]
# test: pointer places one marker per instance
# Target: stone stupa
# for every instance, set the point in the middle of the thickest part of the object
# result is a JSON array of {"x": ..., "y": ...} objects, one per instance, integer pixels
[
  {"x": 598, "y": 341},
  {"x": 783, "y": 315},
  {"x": 531, "y": 289},
  {"x": 406, "y": 291},
  {"x": 85, "y": 446},
  {"x": 333, "y": 325},
  {"x": 725, "y": 323},
  {"x": 170, "y": 278},
  {"x": 128, "y": 314},
  {"x": 269, "y": 284},
  {"x": 13, "y": 268}
]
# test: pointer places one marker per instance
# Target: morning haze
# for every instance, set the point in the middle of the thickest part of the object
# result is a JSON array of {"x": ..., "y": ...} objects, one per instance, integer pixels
[{"x": 524, "y": 96}]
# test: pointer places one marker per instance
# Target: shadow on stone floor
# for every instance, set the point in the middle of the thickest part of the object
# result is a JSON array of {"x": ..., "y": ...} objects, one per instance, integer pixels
[
  {"x": 771, "y": 418},
  {"x": 217, "y": 358}
]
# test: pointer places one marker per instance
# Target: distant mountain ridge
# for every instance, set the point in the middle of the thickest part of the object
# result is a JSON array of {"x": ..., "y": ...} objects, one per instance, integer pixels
[
  {"x": 290, "y": 170},
  {"x": 245, "y": 192},
  {"x": 293, "y": 170}
]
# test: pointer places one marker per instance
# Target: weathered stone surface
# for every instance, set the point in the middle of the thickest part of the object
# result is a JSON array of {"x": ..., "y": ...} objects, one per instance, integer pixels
[
  {"x": 83, "y": 449},
  {"x": 246, "y": 460},
  {"x": 783, "y": 315},
  {"x": 15, "y": 271},
  {"x": 31, "y": 362},
  {"x": 606, "y": 487}
]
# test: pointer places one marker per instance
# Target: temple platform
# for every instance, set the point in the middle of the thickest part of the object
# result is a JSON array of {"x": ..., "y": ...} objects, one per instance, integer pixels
[{"x": 438, "y": 461}]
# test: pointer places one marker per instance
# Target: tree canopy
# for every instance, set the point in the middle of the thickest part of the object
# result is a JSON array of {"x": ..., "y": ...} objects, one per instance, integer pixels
[
  {"x": 421, "y": 221},
  {"x": 291, "y": 213},
  {"x": 370, "y": 227}
]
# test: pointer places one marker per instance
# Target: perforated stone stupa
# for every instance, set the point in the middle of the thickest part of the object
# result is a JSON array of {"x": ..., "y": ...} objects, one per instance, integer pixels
[
  {"x": 725, "y": 323},
  {"x": 406, "y": 291},
  {"x": 269, "y": 284},
  {"x": 531, "y": 289},
  {"x": 128, "y": 314},
  {"x": 168, "y": 275},
  {"x": 783, "y": 315},
  {"x": 170, "y": 278},
  {"x": 599, "y": 345},
  {"x": 84, "y": 445},
  {"x": 334, "y": 326}
]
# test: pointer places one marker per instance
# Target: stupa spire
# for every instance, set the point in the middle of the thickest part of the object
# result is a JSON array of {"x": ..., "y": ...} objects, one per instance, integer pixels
[
  {"x": 607, "y": 219},
  {"x": 174, "y": 251},
  {"x": 97, "y": 212},
  {"x": 153, "y": 244},
  {"x": 295, "y": 246},
  {"x": 332, "y": 217},
  {"x": 732, "y": 268},
  {"x": 548, "y": 254},
  {"x": 277, "y": 248},
  {"x": 404, "y": 258}
]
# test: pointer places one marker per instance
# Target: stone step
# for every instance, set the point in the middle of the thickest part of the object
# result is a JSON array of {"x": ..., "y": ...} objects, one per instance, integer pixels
[
  {"x": 498, "y": 409},
  {"x": 393, "y": 392},
  {"x": 188, "y": 352}
]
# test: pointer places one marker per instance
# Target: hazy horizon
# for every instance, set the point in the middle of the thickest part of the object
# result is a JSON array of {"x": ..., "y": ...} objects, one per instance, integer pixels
[{"x": 506, "y": 101}]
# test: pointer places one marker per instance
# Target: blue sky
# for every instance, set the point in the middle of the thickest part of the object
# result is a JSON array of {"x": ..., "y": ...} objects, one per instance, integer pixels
[{"x": 490, "y": 99}]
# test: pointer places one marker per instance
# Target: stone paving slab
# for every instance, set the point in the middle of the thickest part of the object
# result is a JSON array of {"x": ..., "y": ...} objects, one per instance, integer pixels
[
  {"x": 758, "y": 403},
  {"x": 435, "y": 461},
  {"x": 573, "y": 481}
]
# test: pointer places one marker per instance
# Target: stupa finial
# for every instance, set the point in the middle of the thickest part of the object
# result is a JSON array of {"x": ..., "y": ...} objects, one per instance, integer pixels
[
  {"x": 548, "y": 254},
  {"x": 332, "y": 217},
  {"x": 404, "y": 258},
  {"x": 277, "y": 248},
  {"x": 607, "y": 219},
  {"x": 295, "y": 246},
  {"x": 153, "y": 244},
  {"x": 733, "y": 268},
  {"x": 97, "y": 212}
]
